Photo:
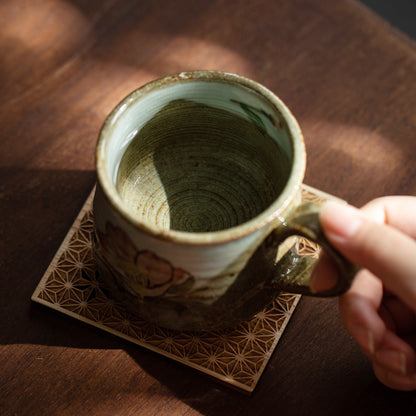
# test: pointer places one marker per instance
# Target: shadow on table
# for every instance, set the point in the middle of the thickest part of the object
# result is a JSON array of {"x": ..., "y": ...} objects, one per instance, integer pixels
[
  {"x": 305, "y": 56},
  {"x": 35, "y": 204},
  {"x": 44, "y": 198},
  {"x": 328, "y": 71},
  {"x": 289, "y": 382}
]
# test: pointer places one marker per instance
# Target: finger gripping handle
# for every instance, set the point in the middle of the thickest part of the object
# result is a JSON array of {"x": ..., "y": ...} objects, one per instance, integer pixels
[{"x": 293, "y": 271}]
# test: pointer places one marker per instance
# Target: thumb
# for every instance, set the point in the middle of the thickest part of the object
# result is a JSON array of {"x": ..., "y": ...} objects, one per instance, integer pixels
[{"x": 383, "y": 250}]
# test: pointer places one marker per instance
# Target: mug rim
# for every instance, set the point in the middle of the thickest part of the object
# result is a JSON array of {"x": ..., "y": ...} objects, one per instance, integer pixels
[{"x": 272, "y": 215}]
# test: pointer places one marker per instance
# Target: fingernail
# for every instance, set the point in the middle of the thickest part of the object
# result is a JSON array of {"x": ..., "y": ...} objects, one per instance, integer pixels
[
  {"x": 340, "y": 221},
  {"x": 393, "y": 360}
]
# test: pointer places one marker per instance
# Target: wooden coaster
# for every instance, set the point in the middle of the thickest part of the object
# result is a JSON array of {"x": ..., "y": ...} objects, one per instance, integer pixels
[{"x": 236, "y": 356}]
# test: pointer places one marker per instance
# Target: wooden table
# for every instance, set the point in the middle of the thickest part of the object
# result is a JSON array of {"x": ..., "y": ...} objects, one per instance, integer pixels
[{"x": 348, "y": 77}]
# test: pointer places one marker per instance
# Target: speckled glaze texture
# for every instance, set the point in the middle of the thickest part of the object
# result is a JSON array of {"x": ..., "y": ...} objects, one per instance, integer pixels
[{"x": 198, "y": 194}]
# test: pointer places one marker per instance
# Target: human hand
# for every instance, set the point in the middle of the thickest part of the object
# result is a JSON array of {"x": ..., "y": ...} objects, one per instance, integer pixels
[{"x": 379, "y": 310}]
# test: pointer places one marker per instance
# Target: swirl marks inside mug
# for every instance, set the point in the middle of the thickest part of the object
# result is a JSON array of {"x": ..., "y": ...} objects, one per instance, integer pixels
[{"x": 198, "y": 168}]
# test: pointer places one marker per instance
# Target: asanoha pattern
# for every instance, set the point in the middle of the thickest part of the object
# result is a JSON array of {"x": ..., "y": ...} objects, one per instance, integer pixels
[{"x": 236, "y": 356}]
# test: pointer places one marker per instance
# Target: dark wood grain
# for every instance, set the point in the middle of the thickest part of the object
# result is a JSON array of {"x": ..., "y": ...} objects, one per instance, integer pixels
[{"x": 348, "y": 77}]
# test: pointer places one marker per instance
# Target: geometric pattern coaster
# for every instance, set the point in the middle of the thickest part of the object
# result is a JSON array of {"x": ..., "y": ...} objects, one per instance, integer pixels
[{"x": 235, "y": 356}]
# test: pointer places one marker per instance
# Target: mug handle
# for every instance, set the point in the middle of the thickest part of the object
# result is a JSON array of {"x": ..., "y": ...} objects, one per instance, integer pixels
[{"x": 293, "y": 271}]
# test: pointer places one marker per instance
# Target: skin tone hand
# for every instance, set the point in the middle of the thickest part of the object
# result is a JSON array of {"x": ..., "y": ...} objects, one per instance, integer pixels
[{"x": 379, "y": 310}]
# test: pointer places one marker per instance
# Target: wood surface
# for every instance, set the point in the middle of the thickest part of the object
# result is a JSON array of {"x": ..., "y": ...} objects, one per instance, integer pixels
[{"x": 348, "y": 77}]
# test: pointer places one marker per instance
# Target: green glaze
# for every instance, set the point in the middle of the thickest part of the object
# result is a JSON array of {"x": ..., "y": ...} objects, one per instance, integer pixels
[
  {"x": 256, "y": 286},
  {"x": 197, "y": 168},
  {"x": 198, "y": 200},
  {"x": 293, "y": 272}
]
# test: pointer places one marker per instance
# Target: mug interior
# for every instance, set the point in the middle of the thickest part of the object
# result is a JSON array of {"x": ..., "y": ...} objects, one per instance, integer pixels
[{"x": 198, "y": 155}]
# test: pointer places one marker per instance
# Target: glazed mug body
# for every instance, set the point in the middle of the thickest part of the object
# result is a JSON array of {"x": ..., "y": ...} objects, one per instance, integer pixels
[{"x": 199, "y": 181}]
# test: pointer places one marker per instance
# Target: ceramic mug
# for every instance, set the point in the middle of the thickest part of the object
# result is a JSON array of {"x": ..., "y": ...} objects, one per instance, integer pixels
[{"x": 198, "y": 195}]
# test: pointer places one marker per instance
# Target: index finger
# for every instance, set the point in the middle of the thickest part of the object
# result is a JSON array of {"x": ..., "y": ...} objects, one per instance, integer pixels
[{"x": 387, "y": 252}]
